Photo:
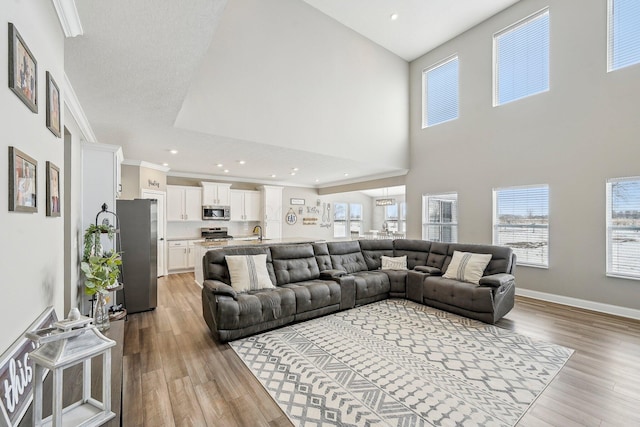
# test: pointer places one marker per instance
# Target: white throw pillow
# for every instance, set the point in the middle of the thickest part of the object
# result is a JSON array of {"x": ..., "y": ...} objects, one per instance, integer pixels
[
  {"x": 248, "y": 272},
  {"x": 467, "y": 266},
  {"x": 394, "y": 263}
]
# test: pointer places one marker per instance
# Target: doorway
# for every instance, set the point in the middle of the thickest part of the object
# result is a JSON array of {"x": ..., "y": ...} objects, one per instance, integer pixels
[{"x": 160, "y": 196}]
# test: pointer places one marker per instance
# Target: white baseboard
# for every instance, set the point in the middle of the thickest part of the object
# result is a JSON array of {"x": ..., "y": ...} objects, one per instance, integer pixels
[{"x": 581, "y": 303}]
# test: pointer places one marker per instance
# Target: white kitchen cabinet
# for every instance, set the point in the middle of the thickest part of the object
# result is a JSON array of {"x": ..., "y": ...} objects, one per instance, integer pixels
[
  {"x": 272, "y": 211},
  {"x": 182, "y": 254},
  {"x": 184, "y": 203},
  {"x": 245, "y": 205},
  {"x": 178, "y": 259},
  {"x": 216, "y": 194}
]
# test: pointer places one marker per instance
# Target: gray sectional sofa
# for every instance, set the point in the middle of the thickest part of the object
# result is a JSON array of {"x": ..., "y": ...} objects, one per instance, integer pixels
[{"x": 312, "y": 280}]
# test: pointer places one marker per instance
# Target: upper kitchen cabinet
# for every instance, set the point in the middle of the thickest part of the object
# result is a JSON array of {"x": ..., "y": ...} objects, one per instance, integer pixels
[
  {"x": 216, "y": 194},
  {"x": 245, "y": 205},
  {"x": 184, "y": 203}
]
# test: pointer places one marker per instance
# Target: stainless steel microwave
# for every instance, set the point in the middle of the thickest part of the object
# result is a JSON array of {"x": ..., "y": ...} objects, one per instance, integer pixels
[{"x": 216, "y": 212}]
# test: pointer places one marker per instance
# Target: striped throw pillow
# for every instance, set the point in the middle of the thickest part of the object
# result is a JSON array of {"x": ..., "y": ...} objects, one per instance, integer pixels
[
  {"x": 467, "y": 266},
  {"x": 248, "y": 272}
]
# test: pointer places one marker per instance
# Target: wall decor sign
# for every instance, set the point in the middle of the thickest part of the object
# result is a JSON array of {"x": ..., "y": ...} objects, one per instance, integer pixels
[
  {"x": 297, "y": 201},
  {"x": 23, "y": 182},
  {"x": 16, "y": 373},
  {"x": 23, "y": 70},
  {"x": 53, "y": 106},
  {"x": 291, "y": 217},
  {"x": 53, "y": 190}
]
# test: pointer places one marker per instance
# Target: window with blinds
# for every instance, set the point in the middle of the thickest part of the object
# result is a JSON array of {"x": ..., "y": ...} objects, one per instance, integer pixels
[
  {"x": 347, "y": 219},
  {"x": 440, "y": 92},
  {"x": 623, "y": 227},
  {"x": 521, "y": 221},
  {"x": 521, "y": 59},
  {"x": 440, "y": 217},
  {"x": 624, "y": 34}
]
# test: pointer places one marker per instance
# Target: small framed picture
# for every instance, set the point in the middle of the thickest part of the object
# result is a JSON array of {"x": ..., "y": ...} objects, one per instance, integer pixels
[
  {"x": 297, "y": 201},
  {"x": 23, "y": 70},
  {"x": 53, "y": 190},
  {"x": 53, "y": 106},
  {"x": 23, "y": 182}
]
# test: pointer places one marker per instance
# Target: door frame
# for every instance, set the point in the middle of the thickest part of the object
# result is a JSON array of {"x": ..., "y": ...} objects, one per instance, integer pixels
[{"x": 145, "y": 193}]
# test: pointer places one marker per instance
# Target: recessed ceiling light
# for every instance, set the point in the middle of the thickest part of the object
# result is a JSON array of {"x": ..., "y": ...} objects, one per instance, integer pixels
[
  {"x": 346, "y": 174},
  {"x": 295, "y": 169},
  {"x": 219, "y": 165},
  {"x": 317, "y": 180},
  {"x": 273, "y": 175},
  {"x": 293, "y": 173},
  {"x": 394, "y": 16},
  {"x": 242, "y": 162},
  {"x": 165, "y": 164},
  {"x": 173, "y": 151},
  {"x": 226, "y": 171}
]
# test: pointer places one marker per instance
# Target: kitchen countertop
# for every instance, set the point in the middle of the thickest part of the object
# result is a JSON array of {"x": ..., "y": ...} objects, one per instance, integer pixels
[{"x": 255, "y": 242}]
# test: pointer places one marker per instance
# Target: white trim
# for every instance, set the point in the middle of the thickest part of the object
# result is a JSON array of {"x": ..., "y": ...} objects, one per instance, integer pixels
[
  {"x": 147, "y": 165},
  {"x": 68, "y": 17},
  {"x": 117, "y": 150},
  {"x": 72, "y": 102},
  {"x": 616, "y": 310}
]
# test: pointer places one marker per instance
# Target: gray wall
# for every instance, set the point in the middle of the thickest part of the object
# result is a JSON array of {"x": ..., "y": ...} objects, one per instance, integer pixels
[{"x": 574, "y": 137}]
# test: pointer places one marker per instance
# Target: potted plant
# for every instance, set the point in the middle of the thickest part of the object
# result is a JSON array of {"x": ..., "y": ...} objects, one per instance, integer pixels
[{"x": 101, "y": 271}]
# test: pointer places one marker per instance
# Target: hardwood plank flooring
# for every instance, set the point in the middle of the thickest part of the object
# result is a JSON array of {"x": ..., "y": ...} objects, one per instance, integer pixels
[{"x": 175, "y": 374}]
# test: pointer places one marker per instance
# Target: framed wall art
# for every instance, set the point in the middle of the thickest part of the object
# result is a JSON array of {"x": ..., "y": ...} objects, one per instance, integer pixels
[
  {"x": 23, "y": 182},
  {"x": 23, "y": 70},
  {"x": 53, "y": 190},
  {"x": 53, "y": 106},
  {"x": 296, "y": 201}
]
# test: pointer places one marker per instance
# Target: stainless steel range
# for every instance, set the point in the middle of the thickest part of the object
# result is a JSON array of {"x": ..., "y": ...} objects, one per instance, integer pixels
[{"x": 215, "y": 234}]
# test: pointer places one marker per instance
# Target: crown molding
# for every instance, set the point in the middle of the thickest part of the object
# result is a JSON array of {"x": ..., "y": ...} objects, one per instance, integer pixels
[
  {"x": 72, "y": 102},
  {"x": 68, "y": 17}
]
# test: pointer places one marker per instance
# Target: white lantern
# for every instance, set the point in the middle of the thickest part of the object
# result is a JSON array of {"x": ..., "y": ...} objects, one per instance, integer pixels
[{"x": 70, "y": 342}]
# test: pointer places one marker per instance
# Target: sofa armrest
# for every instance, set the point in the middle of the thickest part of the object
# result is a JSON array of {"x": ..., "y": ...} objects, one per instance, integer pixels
[
  {"x": 501, "y": 281},
  {"x": 431, "y": 271},
  {"x": 347, "y": 291},
  {"x": 332, "y": 274},
  {"x": 415, "y": 287},
  {"x": 219, "y": 288}
]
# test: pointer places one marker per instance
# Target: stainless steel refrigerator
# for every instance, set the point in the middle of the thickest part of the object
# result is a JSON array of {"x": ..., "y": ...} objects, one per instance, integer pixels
[{"x": 138, "y": 224}]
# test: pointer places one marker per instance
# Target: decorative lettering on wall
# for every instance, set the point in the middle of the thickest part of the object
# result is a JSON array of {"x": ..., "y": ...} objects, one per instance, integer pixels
[
  {"x": 153, "y": 183},
  {"x": 16, "y": 374}
]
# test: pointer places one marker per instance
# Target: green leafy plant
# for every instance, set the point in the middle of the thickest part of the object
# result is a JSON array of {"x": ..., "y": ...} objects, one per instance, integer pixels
[{"x": 101, "y": 272}]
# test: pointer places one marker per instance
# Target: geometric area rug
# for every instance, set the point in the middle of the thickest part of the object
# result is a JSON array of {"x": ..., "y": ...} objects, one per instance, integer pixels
[{"x": 398, "y": 363}]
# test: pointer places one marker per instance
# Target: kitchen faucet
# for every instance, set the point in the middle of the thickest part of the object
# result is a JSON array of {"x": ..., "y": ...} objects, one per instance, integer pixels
[{"x": 258, "y": 229}]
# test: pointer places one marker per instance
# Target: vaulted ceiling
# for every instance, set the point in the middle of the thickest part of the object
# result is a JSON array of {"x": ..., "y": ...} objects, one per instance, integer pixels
[{"x": 310, "y": 93}]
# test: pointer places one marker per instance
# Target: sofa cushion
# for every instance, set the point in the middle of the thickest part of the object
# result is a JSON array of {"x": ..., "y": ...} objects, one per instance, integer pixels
[
  {"x": 323, "y": 258},
  {"x": 467, "y": 266},
  {"x": 468, "y": 296},
  {"x": 373, "y": 250},
  {"x": 394, "y": 263},
  {"x": 315, "y": 294},
  {"x": 416, "y": 251},
  {"x": 215, "y": 265},
  {"x": 254, "y": 308},
  {"x": 371, "y": 284},
  {"x": 347, "y": 256},
  {"x": 438, "y": 253},
  {"x": 294, "y": 263},
  {"x": 248, "y": 272}
]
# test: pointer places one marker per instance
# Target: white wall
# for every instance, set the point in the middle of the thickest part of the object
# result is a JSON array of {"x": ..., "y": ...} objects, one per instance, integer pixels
[
  {"x": 309, "y": 83},
  {"x": 574, "y": 137},
  {"x": 32, "y": 261}
]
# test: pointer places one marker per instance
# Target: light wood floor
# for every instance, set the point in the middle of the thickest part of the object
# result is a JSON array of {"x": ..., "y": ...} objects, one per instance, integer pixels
[{"x": 175, "y": 374}]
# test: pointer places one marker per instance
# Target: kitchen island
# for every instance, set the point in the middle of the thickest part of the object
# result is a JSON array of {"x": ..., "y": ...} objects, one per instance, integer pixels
[{"x": 202, "y": 247}]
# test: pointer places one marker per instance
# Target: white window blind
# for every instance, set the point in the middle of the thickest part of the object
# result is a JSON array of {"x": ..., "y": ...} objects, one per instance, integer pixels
[
  {"x": 521, "y": 58},
  {"x": 347, "y": 218},
  {"x": 440, "y": 217},
  {"x": 440, "y": 94},
  {"x": 624, "y": 33},
  {"x": 521, "y": 221},
  {"x": 623, "y": 227}
]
